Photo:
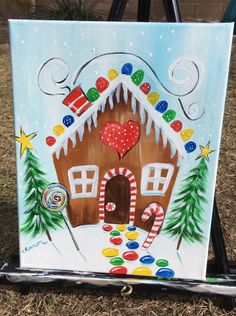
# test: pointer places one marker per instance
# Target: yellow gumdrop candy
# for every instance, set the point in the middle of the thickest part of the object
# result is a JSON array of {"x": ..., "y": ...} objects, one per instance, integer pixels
[
  {"x": 153, "y": 98},
  {"x": 187, "y": 134},
  {"x": 121, "y": 228},
  {"x": 132, "y": 235},
  {"x": 110, "y": 252},
  {"x": 58, "y": 130},
  {"x": 112, "y": 74},
  {"x": 142, "y": 271}
]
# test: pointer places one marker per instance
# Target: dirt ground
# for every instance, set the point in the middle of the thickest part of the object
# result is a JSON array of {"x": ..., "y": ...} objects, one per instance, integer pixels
[{"x": 48, "y": 301}]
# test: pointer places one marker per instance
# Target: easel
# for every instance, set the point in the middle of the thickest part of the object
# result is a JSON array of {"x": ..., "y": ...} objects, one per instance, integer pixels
[{"x": 221, "y": 274}]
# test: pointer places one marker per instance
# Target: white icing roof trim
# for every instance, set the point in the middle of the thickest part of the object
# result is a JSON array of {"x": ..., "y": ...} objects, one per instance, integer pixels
[{"x": 153, "y": 116}]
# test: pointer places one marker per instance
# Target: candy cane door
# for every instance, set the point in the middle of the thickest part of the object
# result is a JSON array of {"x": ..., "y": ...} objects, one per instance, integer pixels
[{"x": 117, "y": 200}]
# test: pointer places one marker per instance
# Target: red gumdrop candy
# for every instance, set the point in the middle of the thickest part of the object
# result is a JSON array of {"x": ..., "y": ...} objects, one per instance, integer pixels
[
  {"x": 50, "y": 141},
  {"x": 102, "y": 84},
  {"x": 107, "y": 227},
  {"x": 130, "y": 255},
  {"x": 176, "y": 125},
  {"x": 145, "y": 87},
  {"x": 118, "y": 270},
  {"x": 116, "y": 240}
]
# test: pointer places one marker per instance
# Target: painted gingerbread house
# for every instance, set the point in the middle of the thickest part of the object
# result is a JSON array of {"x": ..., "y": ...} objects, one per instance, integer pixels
[{"x": 121, "y": 150}]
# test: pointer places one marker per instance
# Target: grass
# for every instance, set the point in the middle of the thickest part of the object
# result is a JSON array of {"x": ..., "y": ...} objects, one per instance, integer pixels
[
  {"x": 77, "y": 10},
  {"x": 105, "y": 302}
]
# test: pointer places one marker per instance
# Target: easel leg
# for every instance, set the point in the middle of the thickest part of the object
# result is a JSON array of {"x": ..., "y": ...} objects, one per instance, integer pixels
[
  {"x": 218, "y": 244},
  {"x": 143, "y": 10},
  {"x": 117, "y": 10},
  {"x": 172, "y": 10}
]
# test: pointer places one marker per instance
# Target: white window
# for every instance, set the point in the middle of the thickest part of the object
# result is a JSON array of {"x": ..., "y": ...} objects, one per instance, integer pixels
[
  {"x": 156, "y": 178},
  {"x": 83, "y": 181}
]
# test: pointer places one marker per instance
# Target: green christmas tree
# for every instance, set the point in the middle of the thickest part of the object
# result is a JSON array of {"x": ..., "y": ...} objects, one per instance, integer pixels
[
  {"x": 185, "y": 219},
  {"x": 38, "y": 219}
]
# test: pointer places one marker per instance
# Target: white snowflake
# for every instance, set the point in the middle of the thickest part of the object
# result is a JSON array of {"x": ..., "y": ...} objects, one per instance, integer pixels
[
  {"x": 150, "y": 54},
  {"x": 93, "y": 50},
  {"x": 22, "y": 41},
  {"x": 65, "y": 43},
  {"x": 172, "y": 31},
  {"x": 142, "y": 33},
  {"x": 161, "y": 36},
  {"x": 168, "y": 49}
]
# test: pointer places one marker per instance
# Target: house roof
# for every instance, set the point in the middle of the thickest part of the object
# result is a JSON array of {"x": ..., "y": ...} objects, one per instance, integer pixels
[{"x": 146, "y": 109}]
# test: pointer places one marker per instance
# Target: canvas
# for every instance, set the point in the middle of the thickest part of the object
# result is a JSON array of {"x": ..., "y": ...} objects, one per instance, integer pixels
[{"x": 117, "y": 139}]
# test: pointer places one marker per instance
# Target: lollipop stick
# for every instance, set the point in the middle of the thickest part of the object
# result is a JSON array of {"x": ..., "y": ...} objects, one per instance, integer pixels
[{"x": 72, "y": 237}]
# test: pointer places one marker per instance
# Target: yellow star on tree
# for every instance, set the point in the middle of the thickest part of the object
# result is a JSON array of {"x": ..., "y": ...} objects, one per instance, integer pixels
[
  {"x": 205, "y": 151},
  {"x": 24, "y": 141}
]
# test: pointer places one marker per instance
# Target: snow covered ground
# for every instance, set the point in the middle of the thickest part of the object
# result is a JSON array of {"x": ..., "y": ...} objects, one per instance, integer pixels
[{"x": 61, "y": 253}]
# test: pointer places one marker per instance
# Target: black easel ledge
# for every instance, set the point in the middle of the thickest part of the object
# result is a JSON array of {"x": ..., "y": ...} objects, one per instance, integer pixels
[{"x": 221, "y": 274}]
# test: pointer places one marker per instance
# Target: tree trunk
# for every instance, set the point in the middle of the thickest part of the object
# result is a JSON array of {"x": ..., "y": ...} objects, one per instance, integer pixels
[
  {"x": 179, "y": 242},
  {"x": 48, "y": 235}
]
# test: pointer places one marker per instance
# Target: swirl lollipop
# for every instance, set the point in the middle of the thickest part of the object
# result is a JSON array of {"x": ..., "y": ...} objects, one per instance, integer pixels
[{"x": 55, "y": 197}]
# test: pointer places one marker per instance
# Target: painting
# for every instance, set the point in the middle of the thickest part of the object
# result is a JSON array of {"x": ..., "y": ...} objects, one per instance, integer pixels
[{"x": 117, "y": 140}]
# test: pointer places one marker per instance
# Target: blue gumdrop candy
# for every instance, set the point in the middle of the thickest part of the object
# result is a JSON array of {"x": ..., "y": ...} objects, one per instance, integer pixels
[
  {"x": 165, "y": 273},
  {"x": 131, "y": 228},
  {"x": 147, "y": 259},
  {"x": 68, "y": 120},
  {"x": 127, "y": 69},
  {"x": 190, "y": 147},
  {"x": 161, "y": 106},
  {"x": 132, "y": 245}
]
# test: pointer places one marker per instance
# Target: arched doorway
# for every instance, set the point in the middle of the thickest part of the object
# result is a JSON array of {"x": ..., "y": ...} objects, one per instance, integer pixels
[{"x": 117, "y": 199}]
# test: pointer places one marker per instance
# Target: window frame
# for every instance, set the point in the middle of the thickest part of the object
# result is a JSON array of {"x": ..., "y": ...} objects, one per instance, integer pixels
[
  {"x": 157, "y": 179},
  {"x": 83, "y": 181}
]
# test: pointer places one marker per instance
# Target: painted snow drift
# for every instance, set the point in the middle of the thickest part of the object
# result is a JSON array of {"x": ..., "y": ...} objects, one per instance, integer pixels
[{"x": 117, "y": 141}]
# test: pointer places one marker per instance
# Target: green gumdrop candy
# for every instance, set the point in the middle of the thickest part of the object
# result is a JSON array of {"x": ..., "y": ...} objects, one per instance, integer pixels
[
  {"x": 137, "y": 77},
  {"x": 117, "y": 261},
  {"x": 92, "y": 94},
  {"x": 162, "y": 263},
  {"x": 169, "y": 115}
]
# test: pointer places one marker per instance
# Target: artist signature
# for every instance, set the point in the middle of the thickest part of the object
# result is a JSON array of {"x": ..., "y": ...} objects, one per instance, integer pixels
[{"x": 33, "y": 246}]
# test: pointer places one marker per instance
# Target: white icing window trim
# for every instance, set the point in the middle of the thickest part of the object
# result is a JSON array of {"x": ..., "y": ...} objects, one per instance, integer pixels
[
  {"x": 84, "y": 181},
  {"x": 156, "y": 179}
]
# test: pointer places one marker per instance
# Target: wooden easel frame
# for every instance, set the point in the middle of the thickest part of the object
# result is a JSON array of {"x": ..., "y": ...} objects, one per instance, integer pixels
[{"x": 221, "y": 274}]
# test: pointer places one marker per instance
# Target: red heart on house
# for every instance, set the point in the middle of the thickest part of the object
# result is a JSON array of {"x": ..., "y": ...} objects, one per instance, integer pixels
[{"x": 119, "y": 137}]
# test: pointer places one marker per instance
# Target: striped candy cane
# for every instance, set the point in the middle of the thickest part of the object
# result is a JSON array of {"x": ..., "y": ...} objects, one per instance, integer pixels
[{"x": 157, "y": 209}]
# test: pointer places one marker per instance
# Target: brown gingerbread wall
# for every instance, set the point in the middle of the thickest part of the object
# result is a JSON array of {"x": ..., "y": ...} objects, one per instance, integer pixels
[{"x": 92, "y": 151}]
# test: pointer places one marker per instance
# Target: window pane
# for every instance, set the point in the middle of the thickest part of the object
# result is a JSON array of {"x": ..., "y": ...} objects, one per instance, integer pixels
[
  {"x": 150, "y": 186},
  {"x": 77, "y": 175},
  {"x": 164, "y": 173},
  {"x": 89, "y": 188},
  {"x": 90, "y": 174},
  {"x": 160, "y": 187},
  {"x": 78, "y": 188},
  {"x": 152, "y": 173}
]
